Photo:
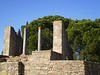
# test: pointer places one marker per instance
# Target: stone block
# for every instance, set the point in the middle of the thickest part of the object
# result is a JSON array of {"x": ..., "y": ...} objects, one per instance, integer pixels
[
  {"x": 12, "y": 42},
  {"x": 60, "y": 41}
]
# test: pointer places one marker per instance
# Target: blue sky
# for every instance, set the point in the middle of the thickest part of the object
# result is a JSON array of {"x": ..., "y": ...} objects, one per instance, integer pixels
[{"x": 17, "y": 12}]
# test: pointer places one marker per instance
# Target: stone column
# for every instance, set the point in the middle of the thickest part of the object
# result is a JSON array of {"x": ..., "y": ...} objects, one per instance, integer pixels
[
  {"x": 6, "y": 45},
  {"x": 24, "y": 41},
  {"x": 60, "y": 40},
  {"x": 57, "y": 36},
  {"x": 39, "y": 38}
]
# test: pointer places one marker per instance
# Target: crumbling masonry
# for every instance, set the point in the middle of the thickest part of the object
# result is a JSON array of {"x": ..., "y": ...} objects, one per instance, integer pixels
[
  {"x": 45, "y": 62},
  {"x": 12, "y": 42}
]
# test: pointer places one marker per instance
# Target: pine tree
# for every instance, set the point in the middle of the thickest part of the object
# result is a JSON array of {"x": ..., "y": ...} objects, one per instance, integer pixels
[
  {"x": 19, "y": 33},
  {"x": 27, "y": 23}
]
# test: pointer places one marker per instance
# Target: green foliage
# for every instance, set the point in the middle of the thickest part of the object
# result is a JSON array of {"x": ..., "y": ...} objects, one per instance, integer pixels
[
  {"x": 83, "y": 36},
  {"x": 19, "y": 33},
  {"x": 47, "y": 39},
  {"x": 66, "y": 58},
  {"x": 27, "y": 23},
  {"x": 75, "y": 56},
  {"x": 47, "y": 31}
]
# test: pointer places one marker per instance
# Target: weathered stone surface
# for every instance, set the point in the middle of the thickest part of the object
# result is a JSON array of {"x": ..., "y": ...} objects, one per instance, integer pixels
[
  {"x": 4, "y": 72},
  {"x": 6, "y": 41},
  {"x": 12, "y": 42},
  {"x": 40, "y": 63},
  {"x": 60, "y": 41},
  {"x": 10, "y": 68}
]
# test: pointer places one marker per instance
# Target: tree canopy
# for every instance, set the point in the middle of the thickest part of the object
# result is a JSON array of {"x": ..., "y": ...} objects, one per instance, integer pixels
[{"x": 83, "y": 36}]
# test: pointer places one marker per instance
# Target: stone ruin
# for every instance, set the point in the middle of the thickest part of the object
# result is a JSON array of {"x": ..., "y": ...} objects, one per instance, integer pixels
[
  {"x": 43, "y": 62},
  {"x": 60, "y": 40},
  {"x": 12, "y": 42}
]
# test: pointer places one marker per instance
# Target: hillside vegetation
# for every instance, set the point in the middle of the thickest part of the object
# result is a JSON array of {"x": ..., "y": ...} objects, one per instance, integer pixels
[{"x": 83, "y": 36}]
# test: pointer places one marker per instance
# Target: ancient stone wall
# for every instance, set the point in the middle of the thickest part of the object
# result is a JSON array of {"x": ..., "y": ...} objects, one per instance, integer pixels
[
  {"x": 11, "y": 68},
  {"x": 41, "y": 63},
  {"x": 12, "y": 42},
  {"x": 55, "y": 68},
  {"x": 92, "y": 68}
]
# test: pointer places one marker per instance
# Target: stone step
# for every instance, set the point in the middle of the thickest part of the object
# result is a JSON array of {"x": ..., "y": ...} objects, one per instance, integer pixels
[
  {"x": 42, "y": 51},
  {"x": 40, "y": 56}
]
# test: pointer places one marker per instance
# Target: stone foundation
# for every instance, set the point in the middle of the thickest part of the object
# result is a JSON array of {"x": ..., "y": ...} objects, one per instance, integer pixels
[
  {"x": 11, "y": 68},
  {"x": 42, "y": 63}
]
